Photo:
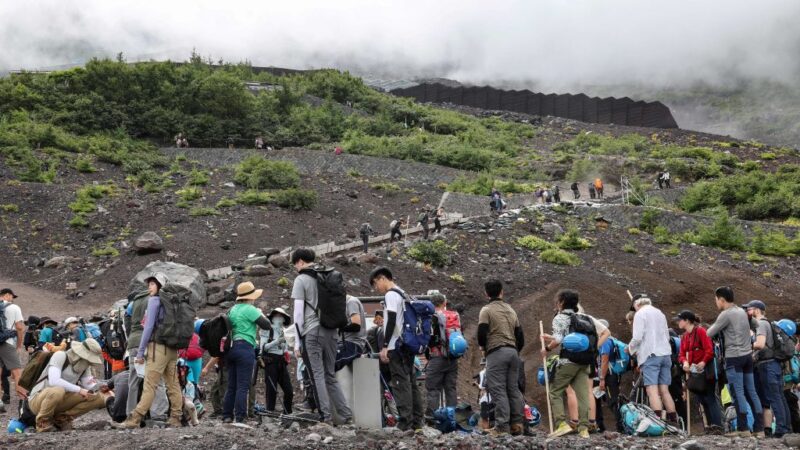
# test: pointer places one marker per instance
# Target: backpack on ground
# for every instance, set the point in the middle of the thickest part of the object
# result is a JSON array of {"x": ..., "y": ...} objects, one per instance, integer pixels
[
  {"x": 783, "y": 345},
  {"x": 619, "y": 361},
  {"x": 216, "y": 335},
  {"x": 640, "y": 420},
  {"x": 331, "y": 297},
  {"x": 176, "y": 328},
  {"x": 582, "y": 324},
  {"x": 417, "y": 329}
]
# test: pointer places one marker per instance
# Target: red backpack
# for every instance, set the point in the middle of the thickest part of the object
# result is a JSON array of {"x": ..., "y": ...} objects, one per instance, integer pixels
[
  {"x": 452, "y": 322},
  {"x": 194, "y": 351}
]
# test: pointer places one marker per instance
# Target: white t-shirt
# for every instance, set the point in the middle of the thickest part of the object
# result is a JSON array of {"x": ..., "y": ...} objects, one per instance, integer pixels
[
  {"x": 13, "y": 315},
  {"x": 394, "y": 302}
]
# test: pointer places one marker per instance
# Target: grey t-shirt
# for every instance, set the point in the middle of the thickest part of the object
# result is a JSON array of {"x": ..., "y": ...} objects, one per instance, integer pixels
[
  {"x": 305, "y": 289},
  {"x": 359, "y": 337},
  {"x": 734, "y": 325},
  {"x": 763, "y": 328}
]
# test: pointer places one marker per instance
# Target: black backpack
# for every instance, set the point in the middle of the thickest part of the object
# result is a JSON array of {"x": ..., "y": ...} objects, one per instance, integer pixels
[
  {"x": 5, "y": 333},
  {"x": 216, "y": 335},
  {"x": 177, "y": 326},
  {"x": 782, "y": 344},
  {"x": 331, "y": 297},
  {"x": 583, "y": 324},
  {"x": 116, "y": 342}
]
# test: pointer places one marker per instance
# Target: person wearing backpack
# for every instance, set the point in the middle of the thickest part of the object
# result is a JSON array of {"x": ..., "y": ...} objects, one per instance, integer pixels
[
  {"x": 438, "y": 216},
  {"x": 394, "y": 230},
  {"x": 401, "y": 361},
  {"x": 441, "y": 374},
  {"x": 353, "y": 340},
  {"x": 696, "y": 355},
  {"x": 422, "y": 219},
  {"x": 365, "y": 232},
  {"x": 273, "y": 356},
  {"x": 734, "y": 326},
  {"x": 161, "y": 361},
  {"x": 651, "y": 345},
  {"x": 47, "y": 333},
  {"x": 193, "y": 358},
  {"x": 579, "y": 336},
  {"x": 612, "y": 363},
  {"x": 316, "y": 302},
  {"x": 12, "y": 337},
  {"x": 576, "y": 193},
  {"x": 768, "y": 374}
]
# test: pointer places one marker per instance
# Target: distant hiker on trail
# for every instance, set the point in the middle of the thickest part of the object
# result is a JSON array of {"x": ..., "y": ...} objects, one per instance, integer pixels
[
  {"x": 365, "y": 231},
  {"x": 441, "y": 374},
  {"x": 438, "y": 216},
  {"x": 496, "y": 202},
  {"x": 184, "y": 143},
  {"x": 259, "y": 143},
  {"x": 353, "y": 340},
  {"x": 501, "y": 338},
  {"x": 556, "y": 194},
  {"x": 734, "y": 326},
  {"x": 576, "y": 193},
  {"x": 592, "y": 192},
  {"x": 598, "y": 187},
  {"x": 394, "y": 230},
  {"x": 547, "y": 196},
  {"x": 274, "y": 352},
  {"x": 666, "y": 178},
  {"x": 12, "y": 336},
  {"x": 422, "y": 220},
  {"x": 178, "y": 140},
  {"x": 338, "y": 151}
]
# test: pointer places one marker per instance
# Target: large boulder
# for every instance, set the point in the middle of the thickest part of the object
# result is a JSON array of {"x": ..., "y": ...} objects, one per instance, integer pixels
[
  {"x": 148, "y": 242},
  {"x": 179, "y": 274},
  {"x": 279, "y": 261}
]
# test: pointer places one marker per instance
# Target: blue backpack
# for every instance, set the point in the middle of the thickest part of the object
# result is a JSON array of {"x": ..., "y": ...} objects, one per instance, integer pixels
[
  {"x": 445, "y": 419},
  {"x": 619, "y": 361},
  {"x": 639, "y": 420},
  {"x": 792, "y": 374},
  {"x": 417, "y": 324},
  {"x": 94, "y": 332}
]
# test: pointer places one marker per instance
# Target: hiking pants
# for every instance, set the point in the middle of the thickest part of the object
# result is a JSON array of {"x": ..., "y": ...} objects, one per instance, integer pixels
[
  {"x": 218, "y": 390},
  {"x": 441, "y": 375},
  {"x": 769, "y": 386},
  {"x": 794, "y": 409},
  {"x": 739, "y": 371},
  {"x": 711, "y": 407},
  {"x": 425, "y": 231},
  {"x": 365, "y": 239},
  {"x": 576, "y": 193},
  {"x": 395, "y": 232},
  {"x": 437, "y": 226},
  {"x": 612, "y": 397},
  {"x": 276, "y": 374},
  {"x": 404, "y": 388},
  {"x": 161, "y": 364},
  {"x": 56, "y": 401},
  {"x": 4, "y": 384},
  {"x": 240, "y": 362},
  {"x": 160, "y": 406},
  {"x": 574, "y": 375},
  {"x": 319, "y": 355},
  {"x": 502, "y": 382}
]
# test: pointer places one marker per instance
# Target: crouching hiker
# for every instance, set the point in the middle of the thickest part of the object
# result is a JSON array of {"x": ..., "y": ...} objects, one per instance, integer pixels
[{"x": 65, "y": 389}]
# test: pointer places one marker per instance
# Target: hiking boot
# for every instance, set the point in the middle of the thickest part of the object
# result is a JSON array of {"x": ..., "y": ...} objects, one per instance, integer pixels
[
  {"x": 2, "y": 408},
  {"x": 63, "y": 422},
  {"x": 593, "y": 428},
  {"x": 583, "y": 432},
  {"x": 174, "y": 422},
  {"x": 497, "y": 431},
  {"x": 45, "y": 425},
  {"x": 740, "y": 434},
  {"x": 133, "y": 422},
  {"x": 759, "y": 435},
  {"x": 227, "y": 420},
  {"x": 714, "y": 430},
  {"x": 563, "y": 429},
  {"x": 517, "y": 429}
]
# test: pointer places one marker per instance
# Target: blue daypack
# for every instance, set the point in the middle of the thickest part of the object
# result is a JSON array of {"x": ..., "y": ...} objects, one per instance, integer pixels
[
  {"x": 619, "y": 361},
  {"x": 639, "y": 420},
  {"x": 94, "y": 332},
  {"x": 445, "y": 419},
  {"x": 417, "y": 324}
]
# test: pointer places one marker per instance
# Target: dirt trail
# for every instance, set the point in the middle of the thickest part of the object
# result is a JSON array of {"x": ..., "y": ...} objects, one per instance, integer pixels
[{"x": 42, "y": 302}]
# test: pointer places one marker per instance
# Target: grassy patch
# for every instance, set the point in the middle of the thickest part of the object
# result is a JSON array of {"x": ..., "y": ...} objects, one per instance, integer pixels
[
  {"x": 559, "y": 257},
  {"x": 436, "y": 253},
  {"x": 257, "y": 172},
  {"x": 457, "y": 278},
  {"x": 226, "y": 203},
  {"x": 106, "y": 251},
  {"x": 254, "y": 197},
  {"x": 630, "y": 248},
  {"x": 198, "y": 178},
  {"x": 571, "y": 240},
  {"x": 9, "y": 208},
  {"x": 189, "y": 194},
  {"x": 296, "y": 199},
  {"x": 203, "y": 211},
  {"x": 671, "y": 251},
  {"x": 534, "y": 243}
]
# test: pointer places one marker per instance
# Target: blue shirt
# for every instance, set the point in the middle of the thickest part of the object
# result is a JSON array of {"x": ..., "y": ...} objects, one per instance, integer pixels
[
  {"x": 607, "y": 347},
  {"x": 46, "y": 335}
]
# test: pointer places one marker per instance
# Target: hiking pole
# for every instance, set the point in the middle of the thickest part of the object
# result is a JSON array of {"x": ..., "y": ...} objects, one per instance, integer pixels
[
  {"x": 688, "y": 404},
  {"x": 546, "y": 379},
  {"x": 408, "y": 222}
]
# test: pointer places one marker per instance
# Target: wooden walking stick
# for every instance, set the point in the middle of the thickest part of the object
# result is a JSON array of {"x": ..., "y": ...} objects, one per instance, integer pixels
[
  {"x": 688, "y": 403},
  {"x": 546, "y": 378}
]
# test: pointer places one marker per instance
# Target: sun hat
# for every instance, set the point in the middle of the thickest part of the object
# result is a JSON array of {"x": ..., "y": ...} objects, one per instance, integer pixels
[
  {"x": 89, "y": 350},
  {"x": 247, "y": 291},
  {"x": 287, "y": 318}
]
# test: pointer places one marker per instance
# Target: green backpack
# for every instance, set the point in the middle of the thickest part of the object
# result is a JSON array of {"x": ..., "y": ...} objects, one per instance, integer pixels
[{"x": 178, "y": 312}]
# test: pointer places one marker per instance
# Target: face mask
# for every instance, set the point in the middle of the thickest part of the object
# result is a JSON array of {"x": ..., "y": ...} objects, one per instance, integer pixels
[{"x": 278, "y": 320}]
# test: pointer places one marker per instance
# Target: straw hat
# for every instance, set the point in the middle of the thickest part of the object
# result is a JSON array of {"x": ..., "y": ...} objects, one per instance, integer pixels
[
  {"x": 247, "y": 291},
  {"x": 89, "y": 350},
  {"x": 287, "y": 320}
]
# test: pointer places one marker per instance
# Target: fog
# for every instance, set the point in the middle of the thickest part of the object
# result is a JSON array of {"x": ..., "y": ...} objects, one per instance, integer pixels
[{"x": 550, "y": 44}]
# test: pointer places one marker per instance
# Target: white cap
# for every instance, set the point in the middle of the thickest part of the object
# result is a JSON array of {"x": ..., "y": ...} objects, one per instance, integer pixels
[{"x": 70, "y": 320}]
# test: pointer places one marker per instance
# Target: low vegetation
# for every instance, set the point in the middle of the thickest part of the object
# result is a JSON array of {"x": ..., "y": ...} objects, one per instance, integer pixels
[{"x": 436, "y": 253}]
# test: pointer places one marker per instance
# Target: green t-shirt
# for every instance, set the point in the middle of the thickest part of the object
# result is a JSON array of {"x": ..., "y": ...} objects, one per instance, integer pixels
[{"x": 243, "y": 317}]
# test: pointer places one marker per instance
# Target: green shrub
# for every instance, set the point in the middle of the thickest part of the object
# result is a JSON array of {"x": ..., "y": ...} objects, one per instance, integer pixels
[
  {"x": 581, "y": 170},
  {"x": 671, "y": 251},
  {"x": 257, "y": 172},
  {"x": 226, "y": 203},
  {"x": 86, "y": 196},
  {"x": 108, "y": 250},
  {"x": 78, "y": 221},
  {"x": 254, "y": 197},
  {"x": 774, "y": 243},
  {"x": 629, "y": 248},
  {"x": 203, "y": 211},
  {"x": 353, "y": 173},
  {"x": 389, "y": 188},
  {"x": 571, "y": 240},
  {"x": 457, "y": 278},
  {"x": 755, "y": 258},
  {"x": 662, "y": 235},
  {"x": 436, "y": 253},
  {"x": 634, "y": 231},
  {"x": 768, "y": 156},
  {"x": 198, "y": 178},
  {"x": 9, "y": 207},
  {"x": 189, "y": 194},
  {"x": 296, "y": 198},
  {"x": 85, "y": 164},
  {"x": 560, "y": 257},
  {"x": 284, "y": 282},
  {"x": 534, "y": 243},
  {"x": 722, "y": 234}
]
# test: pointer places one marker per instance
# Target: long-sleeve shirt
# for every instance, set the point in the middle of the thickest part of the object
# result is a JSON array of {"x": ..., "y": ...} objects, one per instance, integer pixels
[
  {"x": 61, "y": 374},
  {"x": 276, "y": 346},
  {"x": 697, "y": 345},
  {"x": 650, "y": 334},
  {"x": 734, "y": 325},
  {"x": 150, "y": 319}
]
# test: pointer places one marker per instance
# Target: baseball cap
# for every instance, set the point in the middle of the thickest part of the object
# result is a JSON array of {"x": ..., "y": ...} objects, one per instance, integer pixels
[
  {"x": 755, "y": 304},
  {"x": 686, "y": 315},
  {"x": 5, "y": 291}
]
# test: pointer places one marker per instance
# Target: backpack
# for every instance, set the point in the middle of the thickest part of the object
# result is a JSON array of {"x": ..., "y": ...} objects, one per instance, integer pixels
[
  {"x": 640, "y": 420},
  {"x": 393, "y": 224},
  {"x": 331, "y": 297},
  {"x": 422, "y": 218},
  {"x": 583, "y": 324},
  {"x": 114, "y": 336},
  {"x": 574, "y": 186},
  {"x": 444, "y": 325},
  {"x": 782, "y": 344},
  {"x": 619, "y": 361},
  {"x": 216, "y": 335},
  {"x": 177, "y": 312},
  {"x": 32, "y": 373},
  {"x": 193, "y": 351},
  {"x": 417, "y": 324},
  {"x": 675, "y": 346},
  {"x": 93, "y": 331},
  {"x": 365, "y": 230},
  {"x": 791, "y": 373},
  {"x": 5, "y": 333}
]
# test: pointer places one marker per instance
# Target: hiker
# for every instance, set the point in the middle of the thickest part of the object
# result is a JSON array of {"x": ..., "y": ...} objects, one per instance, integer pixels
[
  {"x": 230, "y": 143},
  {"x": 579, "y": 336},
  {"x": 593, "y": 401},
  {"x": 666, "y": 177},
  {"x": 338, "y": 151},
  {"x": 178, "y": 139},
  {"x": 220, "y": 386},
  {"x": 497, "y": 201},
  {"x": 66, "y": 387},
  {"x": 375, "y": 338},
  {"x": 501, "y": 338},
  {"x": 768, "y": 374},
  {"x": 365, "y": 232},
  {"x": 438, "y": 216},
  {"x": 696, "y": 355},
  {"x": 612, "y": 363},
  {"x": 660, "y": 180},
  {"x": 117, "y": 404},
  {"x": 12, "y": 336},
  {"x": 592, "y": 192},
  {"x": 733, "y": 324},
  {"x": 193, "y": 355},
  {"x": 422, "y": 220},
  {"x": 650, "y": 343},
  {"x": 318, "y": 343},
  {"x": 75, "y": 330},
  {"x": 353, "y": 340},
  {"x": 401, "y": 363},
  {"x": 259, "y": 143},
  {"x": 161, "y": 361},
  {"x": 556, "y": 194},
  {"x": 441, "y": 374},
  {"x": 576, "y": 193},
  {"x": 47, "y": 333},
  {"x": 598, "y": 187},
  {"x": 274, "y": 351},
  {"x": 394, "y": 230},
  {"x": 190, "y": 407}
]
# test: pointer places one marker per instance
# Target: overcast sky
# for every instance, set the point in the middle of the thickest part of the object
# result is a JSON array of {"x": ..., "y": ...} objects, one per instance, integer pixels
[{"x": 553, "y": 44}]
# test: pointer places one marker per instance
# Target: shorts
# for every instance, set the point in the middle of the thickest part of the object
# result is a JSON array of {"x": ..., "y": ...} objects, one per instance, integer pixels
[
  {"x": 656, "y": 370},
  {"x": 9, "y": 356}
]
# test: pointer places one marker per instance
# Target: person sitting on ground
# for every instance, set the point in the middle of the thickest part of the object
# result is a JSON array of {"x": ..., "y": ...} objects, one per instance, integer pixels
[
  {"x": 47, "y": 333},
  {"x": 273, "y": 355},
  {"x": 66, "y": 392},
  {"x": 117, "y": 405},
  {"x": 189, "y": 391}
]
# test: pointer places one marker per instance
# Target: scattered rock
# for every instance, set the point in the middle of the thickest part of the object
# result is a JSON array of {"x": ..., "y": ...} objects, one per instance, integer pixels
[
  {"x": 792, "y": 440},
  {"x": 148, "y": 242},
  {"x": 294, "y": 427},
  {"x": 258, "y": 271},
  {"x": 367, "y": 258},
  {"x": 57, "y": 262},
  {"x": 313, "y": 437},
  {"x": 93, "y": 286},
  {"x": 278, "y": 261},
  {"x": 352, "y": 194},
  {"x": 255, "y": 261},
  {"x": 267, "y": 251},
  {"x": 692, "y": 445},
  {"x": 327, "y": 440},
  {"x": 431, "y": 433},
  {"x": 99, "y": 272}
]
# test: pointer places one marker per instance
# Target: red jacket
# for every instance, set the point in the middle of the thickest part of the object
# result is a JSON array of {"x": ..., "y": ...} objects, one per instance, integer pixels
[{"x": 698, "y": 345}]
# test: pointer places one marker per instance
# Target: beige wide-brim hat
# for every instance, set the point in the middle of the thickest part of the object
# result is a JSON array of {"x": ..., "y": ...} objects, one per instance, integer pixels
[
  {"x": 247, "y": 291},
  {"x": 89, "y": 350},
  {"x": 287, "y": 319}
]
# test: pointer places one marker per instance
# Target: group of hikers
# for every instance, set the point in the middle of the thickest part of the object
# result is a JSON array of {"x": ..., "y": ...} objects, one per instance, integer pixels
[
  {"x": 154, "y": 353},
  {"x": 424, "y": 217},
  {"x": 548, "y": 195}
]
